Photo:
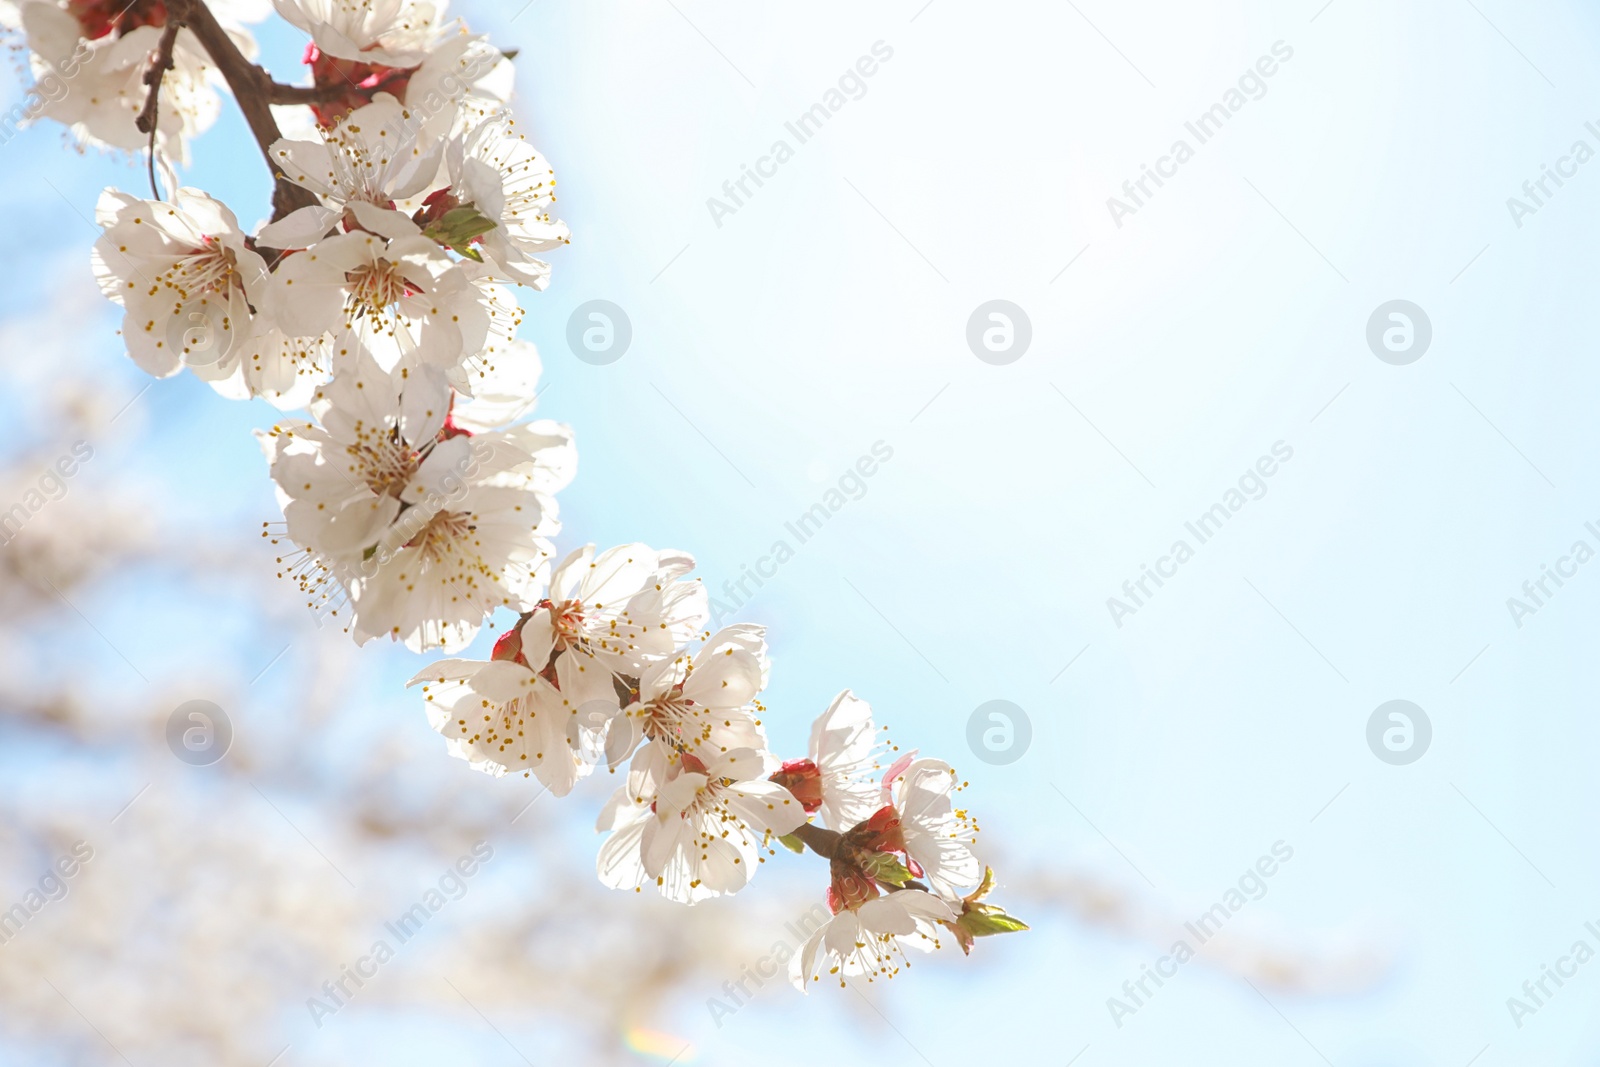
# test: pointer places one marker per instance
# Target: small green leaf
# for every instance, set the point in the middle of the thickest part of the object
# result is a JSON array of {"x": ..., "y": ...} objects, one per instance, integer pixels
[
  {"x": 467, "y": 221},
  {"x": 988, "y": 922},
  {"x": 792, "y": 843},
  {"x": 457, "y": 228},
  {"x": 883, "y": 867}
]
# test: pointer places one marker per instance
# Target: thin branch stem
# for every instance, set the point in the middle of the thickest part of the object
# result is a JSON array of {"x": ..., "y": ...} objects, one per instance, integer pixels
[
  {"x": 160, "y": 64},
  {"x": 147, "y": 122}
]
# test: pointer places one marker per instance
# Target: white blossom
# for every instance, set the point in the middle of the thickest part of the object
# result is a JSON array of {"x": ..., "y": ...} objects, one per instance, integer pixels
[
  {"x": 385, "y": 289},
  {"x": 464, "y": 80},
  {"x": 411, "y": 526},
  {"x": 376, "y": 155},
  {"x": 704, "y": 705},
  {"x": 623, "y": 609},
  {"x": 285, "y": 371},
  {"x": 495, "y": 169},
  {"x": 704, "y": 835},
  {"x": 89, "y": 59},
  {"x": 503, "y": 390},
  {"x": 396, "y": 33},
  {"x": 871, "y": 939},
  {"x": 184, "y": 276},
  {"x": 504, "y": 717},
  {"x": 846, "y": 751},
  {"x": 938, "y": 837}
]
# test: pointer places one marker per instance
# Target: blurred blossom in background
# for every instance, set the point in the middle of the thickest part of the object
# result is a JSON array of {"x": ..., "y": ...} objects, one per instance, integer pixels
[{"x": 981, "y": 347}]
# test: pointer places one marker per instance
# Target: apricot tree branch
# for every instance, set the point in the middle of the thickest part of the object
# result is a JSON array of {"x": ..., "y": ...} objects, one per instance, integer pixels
[{"x": 252, "y": 88}]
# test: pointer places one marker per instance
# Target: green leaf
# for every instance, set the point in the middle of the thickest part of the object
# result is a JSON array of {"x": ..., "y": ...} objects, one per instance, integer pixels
[
  {"x": 792, "y": 843},
  {"x": 467, "y": 221},
  {"x": 987, "y": 923},
  {"x": 457, "y": 228},
  {"x": 883, "y": 867}
]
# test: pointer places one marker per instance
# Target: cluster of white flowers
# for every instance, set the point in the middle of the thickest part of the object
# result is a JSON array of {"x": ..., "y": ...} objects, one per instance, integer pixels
[
  {"x": 898, "y": 832},
  {"x": 418, "y": 500},
  {"x": 607, "y": 671},
  {"x": 94, "y": 55}
]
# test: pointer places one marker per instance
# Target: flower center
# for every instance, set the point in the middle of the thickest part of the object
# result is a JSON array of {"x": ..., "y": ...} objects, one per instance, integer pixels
[
  {"x": 442, "y": 533},
  {"x": 211, "y": 268},
  {"x": 376, "y": 288},
  {"x": 566, "y": 619},
  {"x": 675, "y": 721},
  {"x": 386, "y": 466}
]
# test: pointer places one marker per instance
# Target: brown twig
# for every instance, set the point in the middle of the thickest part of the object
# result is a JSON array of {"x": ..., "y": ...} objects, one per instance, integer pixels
[
  {"x": 151, "y": 112},
  {"x": 252, "y": 88},
  {"x": 279, "y": 93},
  {"x": 146, "y": 122},
  {"x": 822, "y": 841}
]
